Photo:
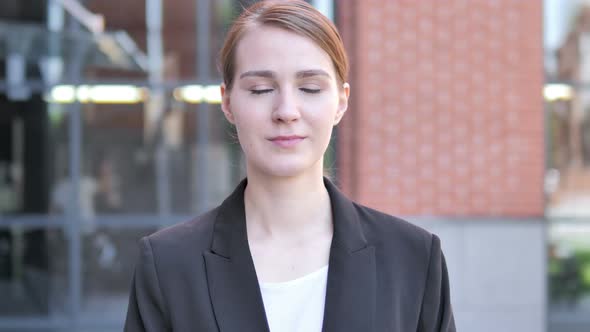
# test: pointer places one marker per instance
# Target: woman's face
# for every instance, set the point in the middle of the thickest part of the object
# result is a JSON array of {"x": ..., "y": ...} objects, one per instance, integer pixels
[{"x": 284, "y": 101}]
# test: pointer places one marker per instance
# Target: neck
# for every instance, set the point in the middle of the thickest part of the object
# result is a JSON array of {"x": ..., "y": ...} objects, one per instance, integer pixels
[{"x": 287, "y": 206}]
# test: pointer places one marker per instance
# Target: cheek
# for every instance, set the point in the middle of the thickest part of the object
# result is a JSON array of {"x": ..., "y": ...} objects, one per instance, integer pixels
[
  {"x": 248, "y": 113},
  {"x": 246, "y": 124},
  {"x": 323, "y": 113}
]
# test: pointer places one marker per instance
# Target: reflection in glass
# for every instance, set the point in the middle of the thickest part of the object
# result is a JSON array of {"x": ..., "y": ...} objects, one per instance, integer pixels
[
  {"x": 567, "y": 181},
  {"x": 33, "y": 272},
  {"x": 568, "y": 120},
  {"x": 109, "y": 257}
]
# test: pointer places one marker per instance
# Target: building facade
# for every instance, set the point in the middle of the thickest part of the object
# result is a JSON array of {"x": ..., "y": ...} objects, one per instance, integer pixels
[{"x": 447, "y": 127}]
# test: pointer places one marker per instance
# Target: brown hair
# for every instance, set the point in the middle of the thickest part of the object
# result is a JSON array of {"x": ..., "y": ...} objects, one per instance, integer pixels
[{"x": 296, "y": 16}]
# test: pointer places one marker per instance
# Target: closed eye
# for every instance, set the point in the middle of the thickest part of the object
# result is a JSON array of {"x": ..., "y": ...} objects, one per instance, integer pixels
[
  {"x": 260, "y": 91},
  {"x": 308, "y": 90}
]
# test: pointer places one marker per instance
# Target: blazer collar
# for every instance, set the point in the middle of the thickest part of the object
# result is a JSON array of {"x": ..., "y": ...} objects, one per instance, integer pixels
[
  {"x": 230, "y": 226},
  {"x": 233, "y": 284}
]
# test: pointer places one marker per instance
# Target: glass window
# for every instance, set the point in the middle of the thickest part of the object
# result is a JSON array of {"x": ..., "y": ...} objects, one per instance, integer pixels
[
  {"x": 34, "y": 270},
  {"x": 567, "y": 179}
]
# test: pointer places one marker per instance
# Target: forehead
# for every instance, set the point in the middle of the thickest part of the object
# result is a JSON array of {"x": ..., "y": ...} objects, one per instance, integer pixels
[{"x": 265, "y": 47}]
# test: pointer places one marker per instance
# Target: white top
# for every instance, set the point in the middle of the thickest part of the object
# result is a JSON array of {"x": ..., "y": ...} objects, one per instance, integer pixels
[{"x": 296, "y": 305}]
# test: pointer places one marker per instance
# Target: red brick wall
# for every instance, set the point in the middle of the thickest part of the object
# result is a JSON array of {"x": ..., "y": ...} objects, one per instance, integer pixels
[{"x": 446, "y": 114}]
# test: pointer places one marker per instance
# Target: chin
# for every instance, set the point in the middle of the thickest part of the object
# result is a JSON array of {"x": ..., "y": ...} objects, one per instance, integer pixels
[
  {"x": 286, "y": 171},
  {"x": 285, "y": 168}
]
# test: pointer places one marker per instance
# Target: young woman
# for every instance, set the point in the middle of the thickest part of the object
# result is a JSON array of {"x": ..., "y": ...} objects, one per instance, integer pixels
[{"x": 286, "y": 251}]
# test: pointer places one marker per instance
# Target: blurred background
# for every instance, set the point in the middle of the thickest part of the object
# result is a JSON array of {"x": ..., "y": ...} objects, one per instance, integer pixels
[{"x": 470, "y": 118}]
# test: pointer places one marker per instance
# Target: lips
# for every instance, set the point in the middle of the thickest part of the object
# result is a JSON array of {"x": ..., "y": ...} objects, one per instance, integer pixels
[{"x": 287, "y": 141}]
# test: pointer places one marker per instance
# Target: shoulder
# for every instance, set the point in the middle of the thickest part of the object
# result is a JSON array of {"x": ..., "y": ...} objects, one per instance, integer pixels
[
  {"x": 195, "y": 234},
  {"x": 393, "y": 233},
  {"x": 409, "y": 254}
]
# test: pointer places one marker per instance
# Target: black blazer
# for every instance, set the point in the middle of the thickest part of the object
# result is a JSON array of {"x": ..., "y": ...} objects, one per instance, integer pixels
[{"x": 384, "y": 274}]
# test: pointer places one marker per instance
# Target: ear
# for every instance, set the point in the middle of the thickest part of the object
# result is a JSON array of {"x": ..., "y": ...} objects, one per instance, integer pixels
[
  {"x": 225, "y": 104},
  {"x": 343, "y": 95}
]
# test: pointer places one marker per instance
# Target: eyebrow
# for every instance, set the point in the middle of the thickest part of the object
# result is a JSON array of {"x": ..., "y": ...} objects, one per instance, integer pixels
[
  {"x": 258, "y": 73},
  {"x": 270, "y": 74},
  {"x": 311, "y": 73}
]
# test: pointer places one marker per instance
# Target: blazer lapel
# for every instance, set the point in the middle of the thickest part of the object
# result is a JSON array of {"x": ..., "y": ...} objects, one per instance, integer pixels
[
  {"x": 233, "y": 285},
  {"x": 350, "y": 294}
]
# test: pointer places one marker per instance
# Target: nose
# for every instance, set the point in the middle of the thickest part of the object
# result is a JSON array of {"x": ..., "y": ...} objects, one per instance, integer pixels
[{"x": 286, "y": 108}]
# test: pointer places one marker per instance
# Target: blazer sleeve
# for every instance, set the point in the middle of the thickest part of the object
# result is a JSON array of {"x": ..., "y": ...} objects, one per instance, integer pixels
[
  {"x": 146, "y": 311},
  {"x": 436, "y": 314}
]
